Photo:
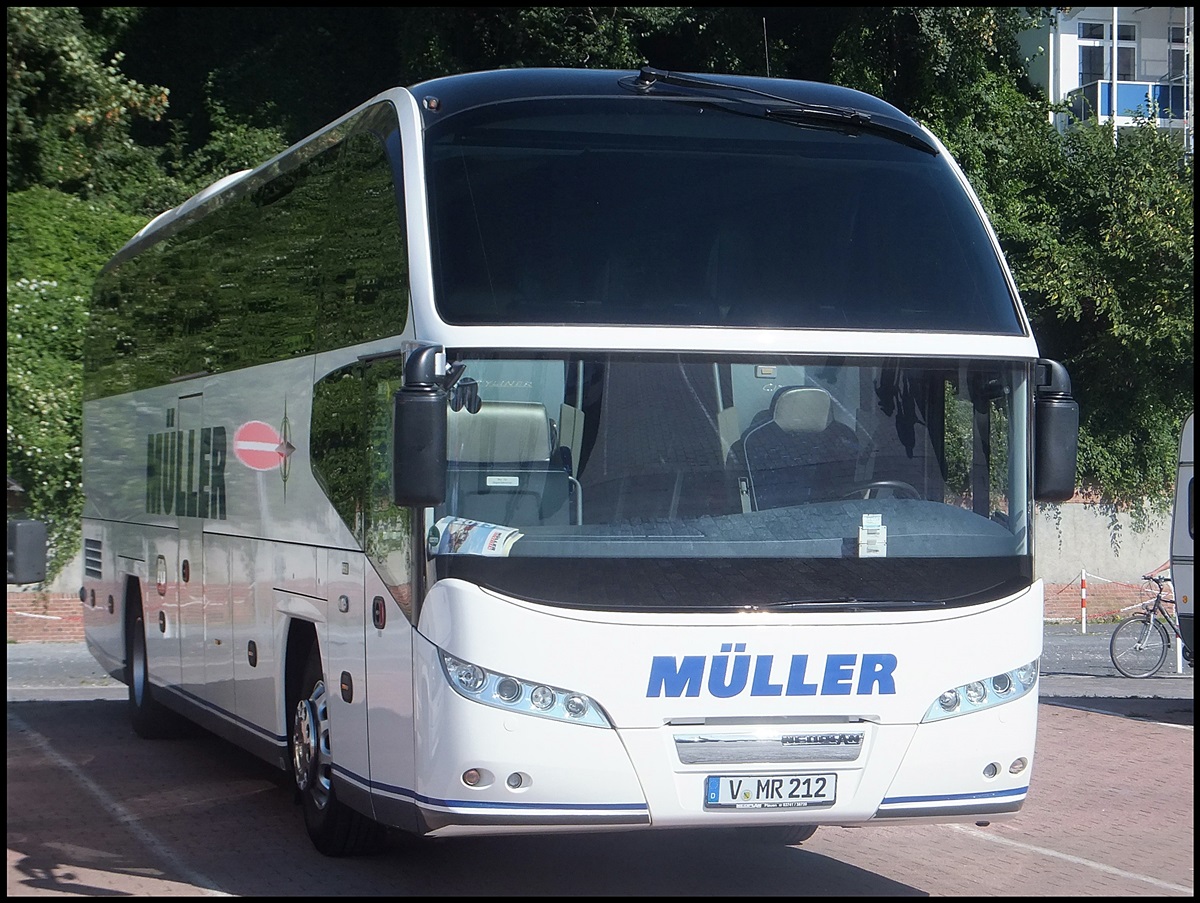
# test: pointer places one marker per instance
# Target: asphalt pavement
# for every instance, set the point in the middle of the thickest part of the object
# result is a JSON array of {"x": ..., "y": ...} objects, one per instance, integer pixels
[{"x": 57, "y": 671}]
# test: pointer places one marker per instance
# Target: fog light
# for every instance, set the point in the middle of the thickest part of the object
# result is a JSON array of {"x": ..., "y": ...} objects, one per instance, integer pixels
[
  {"x": 1018, "y": 765},
  {"x": 991, "y": 769},
  {"x": 514, "y": 780},
  {"x": 542, "y": 698},
  {"x": 470, "y": 777}
]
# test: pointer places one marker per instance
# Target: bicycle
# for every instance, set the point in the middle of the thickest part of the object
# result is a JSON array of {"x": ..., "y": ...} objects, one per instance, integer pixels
[{"x": 1140, "y": 643}]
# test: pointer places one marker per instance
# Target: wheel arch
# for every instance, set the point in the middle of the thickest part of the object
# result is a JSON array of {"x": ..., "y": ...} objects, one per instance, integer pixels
[
  {"x": 131, "y": 603},
  {"x": 301, "y": 636}
]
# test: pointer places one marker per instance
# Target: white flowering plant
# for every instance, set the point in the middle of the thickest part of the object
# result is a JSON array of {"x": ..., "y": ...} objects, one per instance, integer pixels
[{"x": 45, "y": 349}]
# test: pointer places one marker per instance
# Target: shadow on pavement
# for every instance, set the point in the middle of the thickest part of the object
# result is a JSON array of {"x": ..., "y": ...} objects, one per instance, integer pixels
[{"x": 1163, "y": 711}]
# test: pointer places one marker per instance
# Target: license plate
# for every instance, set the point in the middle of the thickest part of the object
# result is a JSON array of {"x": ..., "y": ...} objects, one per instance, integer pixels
[{"x": 769, "y": 791}]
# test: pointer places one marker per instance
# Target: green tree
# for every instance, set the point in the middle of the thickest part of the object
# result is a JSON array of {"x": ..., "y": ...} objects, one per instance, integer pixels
[
  {"x": 1099, "y": 233},
  {"x": 70, "y": 110},
  {"x": 79, "y": 185},
  {"x": 1104, "y": 255}
]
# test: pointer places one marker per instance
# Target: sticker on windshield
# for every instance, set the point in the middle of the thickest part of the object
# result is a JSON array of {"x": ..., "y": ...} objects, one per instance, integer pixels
[{"x": 459, "y": 536}]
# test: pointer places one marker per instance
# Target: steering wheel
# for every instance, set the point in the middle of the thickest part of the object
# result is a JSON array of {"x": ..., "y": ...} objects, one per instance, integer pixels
[{"x": 898, "y": 488}]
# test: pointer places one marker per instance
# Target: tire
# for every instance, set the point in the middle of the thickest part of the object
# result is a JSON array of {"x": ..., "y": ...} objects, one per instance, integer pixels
[
  {"x": 151, "y": 720},
  {"x": 334, "y": 828},
  {"x": 1139, "y": 646},
  {"x": 783, "y": 835},
  {"x": 789, "y": 836}
]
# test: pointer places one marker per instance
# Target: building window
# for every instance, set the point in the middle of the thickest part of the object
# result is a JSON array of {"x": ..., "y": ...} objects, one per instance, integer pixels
[
  {"x": 1177, "y": 53},
  {"x": 1095, "y": 51}
]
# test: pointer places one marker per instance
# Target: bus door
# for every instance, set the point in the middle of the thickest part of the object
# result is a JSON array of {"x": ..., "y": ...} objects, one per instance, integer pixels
[
  {"x": 218, "y": 623},
  {"x": 190, "y": 568},
  {"x": 350, "y": 618}
]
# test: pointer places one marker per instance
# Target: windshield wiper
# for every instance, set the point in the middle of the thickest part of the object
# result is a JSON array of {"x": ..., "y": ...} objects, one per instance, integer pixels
[
  {"x": 649, "y": 76},
  {"x": 849, "y": 120},
  {"x": 792, "y": 111}
]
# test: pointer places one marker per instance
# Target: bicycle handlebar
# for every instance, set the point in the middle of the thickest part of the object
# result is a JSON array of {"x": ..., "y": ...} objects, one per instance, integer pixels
[{"x": 1162, "y": 581}]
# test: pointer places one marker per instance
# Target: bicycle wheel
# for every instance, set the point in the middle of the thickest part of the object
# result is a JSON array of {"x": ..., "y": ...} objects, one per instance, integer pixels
[{"x": 1139, "y": 646}]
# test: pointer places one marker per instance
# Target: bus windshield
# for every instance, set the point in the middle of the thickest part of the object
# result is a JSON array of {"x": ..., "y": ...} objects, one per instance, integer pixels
[
  {"x": 645, "y": 210},
  {"x": 676, "y": 482}
]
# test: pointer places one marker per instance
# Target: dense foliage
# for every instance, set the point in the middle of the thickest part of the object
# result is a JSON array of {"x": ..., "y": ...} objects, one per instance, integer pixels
[
  {"x": 56, "y": 243},
  {"x": 1102, "y": 249},
  {"x": 116, "y": 113}
]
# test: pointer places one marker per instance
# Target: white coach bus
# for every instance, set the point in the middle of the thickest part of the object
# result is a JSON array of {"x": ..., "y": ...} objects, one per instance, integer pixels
[{"x": 549, "y": 450}]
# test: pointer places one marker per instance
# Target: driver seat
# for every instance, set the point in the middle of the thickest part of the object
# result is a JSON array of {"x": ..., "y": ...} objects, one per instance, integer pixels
[{"x": 799, "y": 453}]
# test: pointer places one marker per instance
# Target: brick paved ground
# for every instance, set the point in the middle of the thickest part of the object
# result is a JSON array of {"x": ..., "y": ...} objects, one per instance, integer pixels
[{"x": 93, "y": 813}]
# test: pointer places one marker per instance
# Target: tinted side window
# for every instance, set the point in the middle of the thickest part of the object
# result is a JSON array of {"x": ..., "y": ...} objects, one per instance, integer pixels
[
  {"x": 351, "y": 450},
  {"x": 314, "y": 259},
  {"x": 364, "y": 251}
]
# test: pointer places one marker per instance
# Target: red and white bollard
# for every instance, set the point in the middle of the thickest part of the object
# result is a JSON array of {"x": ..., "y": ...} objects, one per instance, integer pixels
[{"x": 1083, "y": 601}]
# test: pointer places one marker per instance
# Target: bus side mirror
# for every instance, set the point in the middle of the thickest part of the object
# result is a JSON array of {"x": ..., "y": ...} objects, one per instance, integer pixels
[
  {"x": 1055, "y": 433},
  {"x": 26, "y": 551},
  {"x": 419, "y": 432}
]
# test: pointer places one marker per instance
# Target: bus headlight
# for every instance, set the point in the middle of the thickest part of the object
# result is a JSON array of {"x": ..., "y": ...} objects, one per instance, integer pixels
[
  {"x": 983, "y": 694},
  {"x": 469, "y": 677},
  {"x": 514, "y": 694}
]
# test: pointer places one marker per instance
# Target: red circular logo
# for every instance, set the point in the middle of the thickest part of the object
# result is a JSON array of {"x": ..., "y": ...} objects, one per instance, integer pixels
[{"x": 256, "y": 445}]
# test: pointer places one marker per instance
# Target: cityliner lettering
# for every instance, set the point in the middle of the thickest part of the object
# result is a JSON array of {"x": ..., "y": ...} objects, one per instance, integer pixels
[
  {"x": 185, "y": 473},
  {"x": 726, "y": 676}
]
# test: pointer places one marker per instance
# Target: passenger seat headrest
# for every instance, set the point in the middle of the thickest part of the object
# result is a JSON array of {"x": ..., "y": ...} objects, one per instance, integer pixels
[
  {"x": 501, "y": 431},
  {"x": 802, "y": 410}
]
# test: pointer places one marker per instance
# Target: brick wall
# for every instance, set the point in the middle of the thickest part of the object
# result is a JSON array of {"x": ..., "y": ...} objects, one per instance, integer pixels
[
  {"x": 1105, "y": 600},
  {"x": 44, "y": 618},
  {"x": 56, "y": 618}
]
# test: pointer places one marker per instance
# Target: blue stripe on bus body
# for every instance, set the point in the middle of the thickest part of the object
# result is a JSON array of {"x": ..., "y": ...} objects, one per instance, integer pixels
[
  {"x": 278, "y": 739},
  {"x": 404, "y": 792},
  {"x": 949, "y": 797}
]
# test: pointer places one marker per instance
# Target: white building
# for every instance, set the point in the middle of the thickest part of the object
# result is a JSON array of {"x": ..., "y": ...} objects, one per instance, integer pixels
[{"x": 1072, "y": 57}]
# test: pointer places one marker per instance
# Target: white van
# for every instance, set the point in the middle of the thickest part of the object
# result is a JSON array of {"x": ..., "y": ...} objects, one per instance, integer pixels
[{"x": 1183, "y": 535}]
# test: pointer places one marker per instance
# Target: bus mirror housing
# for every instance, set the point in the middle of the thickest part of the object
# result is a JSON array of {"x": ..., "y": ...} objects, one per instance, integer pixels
[
  {"x": 419, "y": 431},
  {"x": 1055, "y": 433},
  {"x": 26, "y": 551}
]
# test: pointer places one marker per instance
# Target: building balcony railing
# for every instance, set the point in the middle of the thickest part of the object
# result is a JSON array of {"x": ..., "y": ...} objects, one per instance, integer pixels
[{"x": 1163, "y": 102}]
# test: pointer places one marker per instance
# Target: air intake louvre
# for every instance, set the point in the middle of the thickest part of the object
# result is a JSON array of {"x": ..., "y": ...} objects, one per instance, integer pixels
[{"x": 91, "y": 557}]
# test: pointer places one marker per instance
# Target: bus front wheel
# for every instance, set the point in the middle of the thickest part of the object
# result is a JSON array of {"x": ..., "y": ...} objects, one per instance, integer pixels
[
  {"x": 783, "y": 835},
  {"x": 334, "y": 828},
  {"x": 150, "y": 719}
]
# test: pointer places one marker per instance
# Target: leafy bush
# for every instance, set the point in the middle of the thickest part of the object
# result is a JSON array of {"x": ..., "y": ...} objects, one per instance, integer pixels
[{"x": 56, "y": 245}]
